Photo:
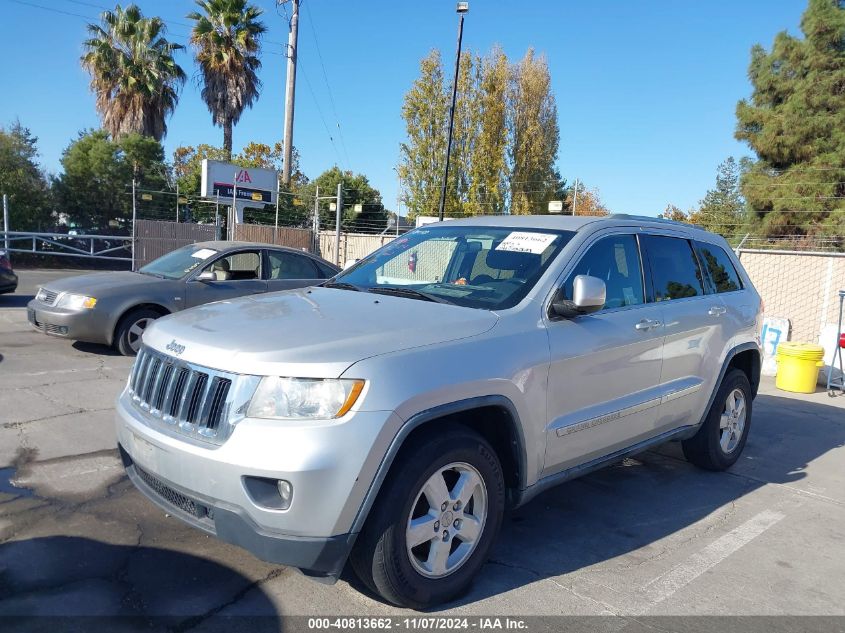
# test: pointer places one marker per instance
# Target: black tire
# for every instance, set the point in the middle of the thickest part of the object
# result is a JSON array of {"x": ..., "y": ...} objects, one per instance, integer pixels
[
  {"x": 704, "y": 448},
  {"x": 380, "y": 557},
  {"x": 125, "y": 335}
]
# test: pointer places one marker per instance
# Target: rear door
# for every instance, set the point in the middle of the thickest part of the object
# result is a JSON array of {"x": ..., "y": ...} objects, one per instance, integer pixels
[
  {"x": 603, "y": 391},
  {"x": 694, "y": 328},
  {"x": 235, "y": 275},
  {"x": 286, "y": 270}
]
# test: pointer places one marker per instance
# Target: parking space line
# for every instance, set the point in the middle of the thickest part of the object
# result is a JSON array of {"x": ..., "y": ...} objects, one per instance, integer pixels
[{"x": 662, "y": 587}]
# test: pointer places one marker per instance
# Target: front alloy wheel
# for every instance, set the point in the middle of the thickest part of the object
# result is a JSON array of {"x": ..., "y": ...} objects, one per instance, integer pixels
[
  {"x": 434, "y": 521},
  {"x": 447, "y": 520}
]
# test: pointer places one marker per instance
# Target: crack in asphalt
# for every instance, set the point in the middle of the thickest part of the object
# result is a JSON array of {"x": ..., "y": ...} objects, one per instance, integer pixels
[
  {"x": 197, "y": 620},
  {"x": 20, "y": 423}
]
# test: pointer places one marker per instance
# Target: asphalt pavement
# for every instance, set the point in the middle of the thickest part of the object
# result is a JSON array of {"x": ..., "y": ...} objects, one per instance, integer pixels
[{"x": 650, "y": 536}]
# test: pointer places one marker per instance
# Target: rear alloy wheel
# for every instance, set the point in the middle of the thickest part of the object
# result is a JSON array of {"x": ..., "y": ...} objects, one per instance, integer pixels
[
  {"x": 721, "y": 438},
  {"x": 131, "y": 328},
  {"x": 434, "y": 522}
]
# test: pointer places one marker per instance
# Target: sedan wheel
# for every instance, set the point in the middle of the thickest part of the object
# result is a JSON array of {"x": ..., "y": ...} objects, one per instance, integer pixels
[{"x": 127, "y": 336}]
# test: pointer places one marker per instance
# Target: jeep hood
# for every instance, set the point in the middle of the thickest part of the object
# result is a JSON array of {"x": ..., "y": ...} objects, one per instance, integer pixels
[{"x": 311, "y": 332}]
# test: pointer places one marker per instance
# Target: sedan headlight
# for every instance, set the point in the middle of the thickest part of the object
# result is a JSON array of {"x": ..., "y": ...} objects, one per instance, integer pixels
[
  {"x": 76, "y": 302},
  {"x": 303, "y": 398}
]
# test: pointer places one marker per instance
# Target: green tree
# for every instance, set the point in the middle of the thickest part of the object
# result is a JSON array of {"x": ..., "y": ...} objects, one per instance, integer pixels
[
  {"x": 95, "y": 186},
  {"x": 356, "y": 190},
  {"x": 795, "y": 123},
  {"x": 425, "y": 110},
  {"x": 534, "y": 136},
  {"x": 723, "y": 209},
  {"x": 134, "y": 75},
  {"x": 227, "y": 41},
  {"x": 22, "y": 180},
  {"x": 488, "y": 169}
]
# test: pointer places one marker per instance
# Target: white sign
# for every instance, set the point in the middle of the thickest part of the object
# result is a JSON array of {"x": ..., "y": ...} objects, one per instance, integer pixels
[
  {"x": 253, "y": 187},
  {"x": 521, "y": 242},
  {"x": 203, "y": 253},
  {"x": 555, "y": 206},
  {"x": 358, "y": 208},
  {"x": 775, "y": 331}
]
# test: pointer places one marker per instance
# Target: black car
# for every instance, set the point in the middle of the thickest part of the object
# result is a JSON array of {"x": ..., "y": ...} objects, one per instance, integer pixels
[{"x": 8, "y": 278}]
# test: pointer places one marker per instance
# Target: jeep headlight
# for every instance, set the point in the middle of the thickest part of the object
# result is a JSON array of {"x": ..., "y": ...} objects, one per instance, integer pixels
[
  {"x": 303, "y": 398},
  {"x": 76, "y": 302}
]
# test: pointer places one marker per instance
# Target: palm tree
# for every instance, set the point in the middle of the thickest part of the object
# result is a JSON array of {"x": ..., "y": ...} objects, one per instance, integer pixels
[
  {"x": 134, "y": 76},
  {"x": 226, "y": 38}
]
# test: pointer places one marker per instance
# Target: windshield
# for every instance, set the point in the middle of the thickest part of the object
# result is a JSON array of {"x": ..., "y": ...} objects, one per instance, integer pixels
[
  {"x": 176, "y": 264},
  {"x": 472, "y": 266}
]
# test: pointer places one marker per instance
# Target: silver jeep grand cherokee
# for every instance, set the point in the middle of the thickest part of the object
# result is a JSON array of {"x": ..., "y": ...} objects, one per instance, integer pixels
[{"x": 391, "y": 415}]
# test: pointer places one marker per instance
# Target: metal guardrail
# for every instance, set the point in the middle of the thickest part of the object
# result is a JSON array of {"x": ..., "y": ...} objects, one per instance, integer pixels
[{"x": 66, "y": 245}]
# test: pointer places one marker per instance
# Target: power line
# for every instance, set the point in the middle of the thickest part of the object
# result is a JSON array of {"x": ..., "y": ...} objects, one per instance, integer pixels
[
  {"x": 328, "y": 87},
  {"x": 320, "y": 112}
]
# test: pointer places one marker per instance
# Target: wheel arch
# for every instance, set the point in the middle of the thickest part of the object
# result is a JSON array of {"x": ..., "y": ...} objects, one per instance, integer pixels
[
  {"x": 147, "y": 305},
  {"x": 745, "y": 357},
  {"x": 494, "y": 417}
]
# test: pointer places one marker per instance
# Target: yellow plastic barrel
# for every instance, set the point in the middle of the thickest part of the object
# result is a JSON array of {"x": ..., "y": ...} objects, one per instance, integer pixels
[{"x": 798, "y": 366}]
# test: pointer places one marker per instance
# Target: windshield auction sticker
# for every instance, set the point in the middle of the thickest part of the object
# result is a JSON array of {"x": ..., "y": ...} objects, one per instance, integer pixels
[
  {"x": 203, "y": 253},
  {"x": 522, "y": 242}
]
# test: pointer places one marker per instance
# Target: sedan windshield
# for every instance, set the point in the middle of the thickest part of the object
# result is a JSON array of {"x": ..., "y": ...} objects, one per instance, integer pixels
[
  {"x": 471, "y": 266},
  {"x": 176, "y": 264}
]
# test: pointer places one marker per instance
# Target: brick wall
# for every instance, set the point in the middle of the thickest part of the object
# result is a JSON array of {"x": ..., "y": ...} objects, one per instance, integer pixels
[{"x": 802, "y": 288}]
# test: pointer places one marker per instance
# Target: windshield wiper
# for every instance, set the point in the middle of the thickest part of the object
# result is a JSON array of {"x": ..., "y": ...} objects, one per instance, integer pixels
[
  {"x": 408, "y": 292},
  {"x": 342, "y": 285}
]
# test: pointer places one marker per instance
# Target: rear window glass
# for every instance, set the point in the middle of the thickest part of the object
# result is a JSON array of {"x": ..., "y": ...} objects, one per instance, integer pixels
[
  {"x": 719, "y": 267},
  {"x": 674, "y": 268}
]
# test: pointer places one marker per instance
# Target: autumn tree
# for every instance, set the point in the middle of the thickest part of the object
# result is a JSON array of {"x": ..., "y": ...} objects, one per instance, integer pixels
[
  {"x": 587, "y": 202},
  {"x": 421, "y": 162},
  {"x": 794, "y": 122},
  {"x": 534, "y": 136},
  {"x": 488, "y": 168}
]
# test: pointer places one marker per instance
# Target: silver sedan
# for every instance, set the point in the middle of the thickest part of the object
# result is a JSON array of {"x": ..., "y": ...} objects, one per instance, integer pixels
[{"x": 114, "y": 308}]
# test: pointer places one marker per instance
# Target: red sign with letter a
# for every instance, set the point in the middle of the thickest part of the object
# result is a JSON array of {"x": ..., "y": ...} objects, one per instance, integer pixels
[{"x": 243, "y": 176}]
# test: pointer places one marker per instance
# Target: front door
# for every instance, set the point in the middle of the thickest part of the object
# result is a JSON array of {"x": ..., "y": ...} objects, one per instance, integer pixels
[
  {"x": 234, "y": 275},
  {"x": 603, "y": 392}
]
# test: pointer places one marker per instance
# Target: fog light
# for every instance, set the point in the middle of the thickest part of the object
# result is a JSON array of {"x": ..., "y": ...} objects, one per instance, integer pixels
[{"x": 286, "y": 493}]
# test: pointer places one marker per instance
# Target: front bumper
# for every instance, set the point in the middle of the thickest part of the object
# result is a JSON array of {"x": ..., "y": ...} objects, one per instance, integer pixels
[
  {"x": 330, "y": 465},
  {"x": 73, "y": 324}
]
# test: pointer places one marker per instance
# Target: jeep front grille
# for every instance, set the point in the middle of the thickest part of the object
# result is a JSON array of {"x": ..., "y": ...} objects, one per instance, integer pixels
[{"x": 182, "y": 398}]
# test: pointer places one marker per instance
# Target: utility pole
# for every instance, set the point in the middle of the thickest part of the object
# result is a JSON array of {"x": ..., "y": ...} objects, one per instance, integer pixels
[
  {"x": 315, "y": 223},
  {"x": 6, "y": 223},
  {"x": 177, "y": 201},
  {"x": 290, "y": 90},
  {"x": 575, "y": 197},
  {"x": 134, "y": 218},
  {"x": 337, "y": 222},
  {"x": 463, "y": 7}
]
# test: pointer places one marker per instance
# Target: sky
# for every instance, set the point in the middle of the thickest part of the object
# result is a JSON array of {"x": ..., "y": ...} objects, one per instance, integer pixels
[{"x": 646, "y": 90}]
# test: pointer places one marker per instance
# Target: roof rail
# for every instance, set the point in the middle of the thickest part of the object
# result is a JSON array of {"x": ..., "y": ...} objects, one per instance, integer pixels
[{"x": 648, "y": 218}]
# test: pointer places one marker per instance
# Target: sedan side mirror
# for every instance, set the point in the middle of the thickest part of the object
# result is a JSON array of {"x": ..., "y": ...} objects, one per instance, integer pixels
[
  {"x": 206, "y": 275},
  {"x": 588, "y": 296}
]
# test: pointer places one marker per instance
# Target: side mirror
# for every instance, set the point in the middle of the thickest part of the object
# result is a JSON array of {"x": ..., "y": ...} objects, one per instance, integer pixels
[
  {"x": 206, "y": 275},
  {"x": 588, "y": 295}
]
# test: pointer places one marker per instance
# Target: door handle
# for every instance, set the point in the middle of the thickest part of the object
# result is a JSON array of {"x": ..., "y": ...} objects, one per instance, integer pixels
[
  {"x": 647, "y": 324},
  {"x": 717, "y": 311}
]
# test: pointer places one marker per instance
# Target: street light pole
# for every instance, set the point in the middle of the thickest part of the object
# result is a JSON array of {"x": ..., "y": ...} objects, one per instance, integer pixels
[{"x": 462, "y": 8}]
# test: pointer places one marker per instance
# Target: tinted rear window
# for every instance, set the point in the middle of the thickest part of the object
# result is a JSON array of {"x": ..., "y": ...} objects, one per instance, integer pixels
[
  {"x": 719, "y": 267},
  {"x": 674, "y": 268}
]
